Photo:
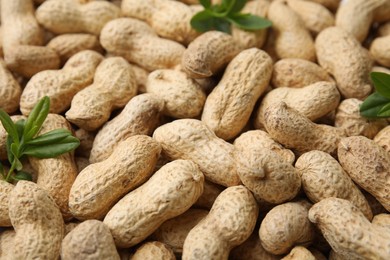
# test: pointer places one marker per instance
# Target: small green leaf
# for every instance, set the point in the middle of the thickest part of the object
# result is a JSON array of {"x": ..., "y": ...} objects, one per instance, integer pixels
[
  {"x": 9, "y": 152},
  {"x": 237, "y": 6},
  {"x": 15, "y": 151},
  {"x": 385, "y": 111},
  {"x": 373, "y": 104},
  {"x": 22, "y": 176},
  {"x": 249, "y": 22},
  {"x": 222, "y": 25},
  {"x": 203, "y": 21},
  {"x": 36, "y": 118},
  {"x": 206, "y": 3},
  {"x": 20, "y": 126},
  {"x": 51, "y": 137},
  {"x": 382, "y": 83},
  {"x": 9, "y": 126},
  {"x": 52, "y": 150}
]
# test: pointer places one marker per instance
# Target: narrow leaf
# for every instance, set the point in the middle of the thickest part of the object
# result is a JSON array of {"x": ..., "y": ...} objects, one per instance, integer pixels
[
  {"x": 52, "y": 150},
  {"x": 382, "y": 83},
  {"x": 202, "y": 21},
  {"x": 15, "y": 150},
  {"x": 22, "y": 176},
  {"x": 222, "y": 25},
  {"x": 373, "y": 104},
  {"x": 9, "y": 152},
  {"x": 237, "y": 6},
  {"x": 8, "y": 125},
  {"x": 206, "y": 3},
  {"x": 36, "y": 118},
  {"x": 384, "y": 111},
  {"x": 51, "y": 137},
  {"x": 2, "y": 170},
  {"x": 249, "y": 22},
  {"x": 20, "y": 126}
]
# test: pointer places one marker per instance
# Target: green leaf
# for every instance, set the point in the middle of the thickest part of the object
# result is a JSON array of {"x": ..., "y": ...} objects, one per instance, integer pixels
[
  {"x": 384, "y": 111},
  {"x": 52, "y": 150},
  {"x": 222, "y": 25},
  {"x": 2, "y": 170},
  {"x": 203, "y": 21},
  {"x": 382, "y": 83},
  {"x": 36, "y": 118},
  {"x": 22, "y": 176},
  {"x": 16, "y": 153},
  {"x": 206, "y": 3},
  {"x": 236, "y": 6},
  {"x": 9, "y": 126},
  {"x": 9, "y": 152},
  {"x": 249, "y": 22},
  {"x": 373, "y": 105},
  {"x": 20, "y": 126},
  {"x": 51, "y": 137}
]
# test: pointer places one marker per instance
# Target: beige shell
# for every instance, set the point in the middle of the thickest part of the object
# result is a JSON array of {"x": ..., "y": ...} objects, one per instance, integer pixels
[
  {"x": 100, "y": 185},
  {"x": 139, "y": 117},
  {"x": 348, "y": 231},
  {"x": 285, "y": 226},
  {"x": 230, "y": 104},
  {"x": 191, "y": 139},
  {"x": 5, "y": 190},
  {"x": 37, "y": 221},
  {"x": 169, "y": 192},
  {"x": 368, "y": 165},
  {"x": 380, "y": 50},
  {"x": 330, "y": 4},
  {"x": 10, "y": 90},
  {"x": 86, "y": 140},
  {"x": 251, "y": 249},
  {"x": 91, "y": 239},
  {"x": 383, "y": 138},
  {"x": 229, "y": 223},
  {"x": 382, "y": 220},
  {"x": 341, "y": 55},
  {"x": 6, "y": 243},
  {"x": 210, "y": 193},
  {"x": 323, "y": 177},
  {"x": 153, "y": 250},
  {"x": 299, "y": 253}
]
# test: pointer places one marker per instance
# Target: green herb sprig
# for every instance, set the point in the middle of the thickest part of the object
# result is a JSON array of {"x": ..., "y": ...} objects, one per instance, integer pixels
[
  {"x": 22, "y": 140},
  {"x": 220, "y": 17},
  {"x": 377, "y": 105}
]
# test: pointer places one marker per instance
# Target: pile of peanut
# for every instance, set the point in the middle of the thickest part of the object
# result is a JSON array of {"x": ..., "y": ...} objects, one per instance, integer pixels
[{"x": 247, "y": 145}]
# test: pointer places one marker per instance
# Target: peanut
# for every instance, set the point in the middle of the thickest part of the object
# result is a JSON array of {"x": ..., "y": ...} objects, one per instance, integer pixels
[
  {"x": 81, "y": 163},
  {"x": 208, "y": 54},
  {"x": 251, "y": 249},
  {"x": 61, "y": 85},
  {"x": 229, "y": 223},
  {"x": 169, "y": 192},
  {"x": 383, "y": 138},
  {"x": 348, "y": 231},
  {"x": 100, "y": 185},
  {"x": 230, "y": 104},
  {"x": 72, "y": 17},
  {"x": 382, "y": 13},
  {"x": 210, "y": 192},
  {"x": 380, "y": 50},
  {"x": 382, "y": 220},
  {"x": 319, "y": 169},
  {"x": 86, "y": 140},
  {"x": 37, "y": 221},
  {"x": 10, "y": 90},
  {"x": 297, "y": 73},
  {"x": 5, "y": 190},
  {"x": 191, "y": 139},
  {"x": 299, "y": 253},
  {"x": 330, "y": 4},
  {"x": 182, "y": 95},
  {"x": 290, "y": 33},
  {"x": 153, "y": 250},
  {"x": 341, "y": 55},
  {"x": 89, "y": 240},
  {"x": 313, "y": 101},
  {"x": 139, "y": 117},
  {"x": 138, "y": 43},
  {"x": 285, "y": 226},
  {"x": 141, "y": 76},
  {"x": 368, "y": 165},
  {"x": 6, "y": 243}
]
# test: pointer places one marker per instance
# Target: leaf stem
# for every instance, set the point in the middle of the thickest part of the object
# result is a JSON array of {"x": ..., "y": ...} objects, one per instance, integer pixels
[{"x": 11, "y": 170}]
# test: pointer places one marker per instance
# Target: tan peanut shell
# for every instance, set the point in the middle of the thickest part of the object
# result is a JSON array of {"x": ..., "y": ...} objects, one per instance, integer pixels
[
  {"x": 56, "y": 175},
  {"x": 285, "y": 226},
  {"x": 138, "y": 43},
  {"x": 299, "y": 253},
  {"x": 323, "y": 177},
  {"x": 384, "y": 29},
  {"x": 297, "y": 73},
  {"x": 153, "y": 250},
  {"x": 258, "y": 139},
  {"x": 348, "y": 231},
  {"x": 313, "y": 101},
  {"x": 380, "y": 49},
  {"x": 37, "y": 221},
  {"x": 5, "y": 190},
  {"x": 191, "y": 139},
  {"x": 139, "y": 117},
  {"x": 210, "y": 192},
  {"x": 252, "y": 39},
  {"x": 22, "y": 39},
  {"x": 61, "y": 85},
  {"x": 66, "y": 45},
  {"x": 383, "y": 138},
  {"x": 229, "y": 223},
  {"x": 10, "y": 90},
  {"x": 292, "y": 39},
  {"x": 6, "y": 243},
  {"x": 356, "y": 17},
  {"x": 113, "y": 86},
  {"x": 341, "y": 55},
  {"x": 315, "y": 16},
  {"x": 169, "y": 192},
  {"x": 182, "y": 95},
  {"x": 141, "y": 76},
  {"x": 174, "y": 231},
  {"x": 230, "y": 104},
  {"x": 382, "y": 13},
  {"x": 91, "y": 239},
  {"x": 86, "y": 140},
  {"x": 141, "y": 10},
  {"x": 368, "y": 165},
  {"x": 81, "y": 163},
  {"x": 252, "y": 249},
  {"x": 348, "y": 117},
  {"x": 71, "y": 17},
  {"x": 330, "y": 4},
  {"x": 100, "y": 185},
  {"x": 382, "y": 220},
  {"x": 208, "y": 54},
  {"x": 295, "y": 131}
]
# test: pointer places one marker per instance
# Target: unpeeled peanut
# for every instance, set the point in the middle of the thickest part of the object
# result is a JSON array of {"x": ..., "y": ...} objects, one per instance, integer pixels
[
  {"x": 229, "y": 223},
  {"x": 380, "y": 50},
  {"x": 6, "y": 243},
  {"x": 252, "y": 249},
  {"x": 168, "y": 193},
  {"x": 5, "y": 190},
  {"x": 10, "y": 90},
  {"x": 100, "y": 185},
  {"x": 153, "y": 250},
  {"x": 61, "y": 85},
  {"x": 210, "y": 192},
  {"x": 230, "y": 104},
  {"x": 383, "y": 138},
  {"x": 299, "y": 253}
]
